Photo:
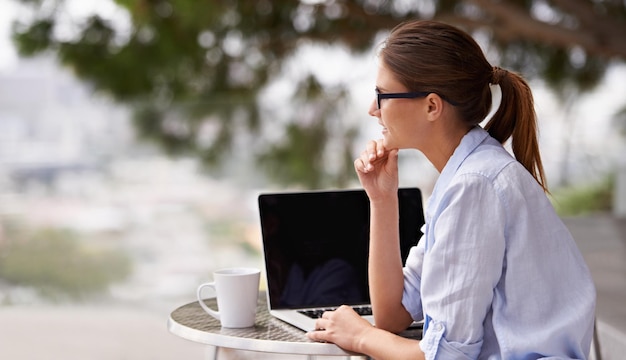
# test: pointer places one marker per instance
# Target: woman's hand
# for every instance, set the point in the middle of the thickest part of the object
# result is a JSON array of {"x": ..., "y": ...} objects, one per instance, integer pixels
[
  {"x": 343, "y": 327},
  {"x": 377, "y": 169}
]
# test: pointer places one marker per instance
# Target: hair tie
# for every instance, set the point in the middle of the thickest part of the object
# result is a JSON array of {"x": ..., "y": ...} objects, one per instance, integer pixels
[{"x": 497, "y": 74}]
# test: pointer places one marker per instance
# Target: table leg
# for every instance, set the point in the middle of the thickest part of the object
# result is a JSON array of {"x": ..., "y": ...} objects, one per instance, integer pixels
[{"x": 211, "y": 352}]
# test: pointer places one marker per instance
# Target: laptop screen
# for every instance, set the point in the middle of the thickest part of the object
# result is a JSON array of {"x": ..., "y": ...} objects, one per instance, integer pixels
[{"x": 316, "y": 245}]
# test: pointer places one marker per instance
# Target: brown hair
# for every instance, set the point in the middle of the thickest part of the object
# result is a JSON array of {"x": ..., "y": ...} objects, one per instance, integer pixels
[{"x": 434, "y": 57}]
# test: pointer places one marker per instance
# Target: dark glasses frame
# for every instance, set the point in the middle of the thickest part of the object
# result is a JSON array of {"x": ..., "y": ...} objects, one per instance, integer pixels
[{"x": 404, "y": 95}]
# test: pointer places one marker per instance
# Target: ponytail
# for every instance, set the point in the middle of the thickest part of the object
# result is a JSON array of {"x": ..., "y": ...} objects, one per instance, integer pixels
[{"x": 516, "y": 118}]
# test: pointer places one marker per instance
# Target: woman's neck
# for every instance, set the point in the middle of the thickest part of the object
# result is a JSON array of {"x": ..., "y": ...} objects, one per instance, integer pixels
[{"x": 443, "y": 146}]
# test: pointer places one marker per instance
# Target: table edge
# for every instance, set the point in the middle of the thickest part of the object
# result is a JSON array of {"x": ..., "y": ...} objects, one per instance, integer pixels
[{"x": 260, "y": 345}]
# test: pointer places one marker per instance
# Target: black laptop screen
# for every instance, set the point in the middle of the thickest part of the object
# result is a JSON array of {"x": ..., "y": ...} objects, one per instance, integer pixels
[{"x": 316, "y": 244}]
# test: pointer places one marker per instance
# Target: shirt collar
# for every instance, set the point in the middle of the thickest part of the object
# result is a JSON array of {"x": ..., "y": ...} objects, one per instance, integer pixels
[{"x": 468, "y": 144}]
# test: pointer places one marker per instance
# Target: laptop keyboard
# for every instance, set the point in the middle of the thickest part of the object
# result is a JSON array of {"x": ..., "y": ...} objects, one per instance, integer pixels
[{"x": 317, "y": 313}]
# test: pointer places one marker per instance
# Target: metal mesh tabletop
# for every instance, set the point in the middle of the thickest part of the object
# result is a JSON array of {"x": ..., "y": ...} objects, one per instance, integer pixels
[{"x": 269, "y": 334}]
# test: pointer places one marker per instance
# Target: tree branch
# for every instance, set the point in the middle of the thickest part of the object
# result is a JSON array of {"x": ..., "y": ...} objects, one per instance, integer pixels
[{"x": 514, "y": 22}]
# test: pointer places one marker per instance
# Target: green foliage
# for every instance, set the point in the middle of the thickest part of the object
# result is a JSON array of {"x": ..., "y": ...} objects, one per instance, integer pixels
[
  {"x": 190, "y": 65},
  {"x": 584, "y": 199},
  {"x": 308, "y": 141},
  {"x": 59, "y": 265},
  {"x": 38, "y": 40},
  {"x": 559, "y": 71}
]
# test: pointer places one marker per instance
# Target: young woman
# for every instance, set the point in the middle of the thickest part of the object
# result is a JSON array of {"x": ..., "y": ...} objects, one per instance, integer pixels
[{"x": 496, "y": 274}]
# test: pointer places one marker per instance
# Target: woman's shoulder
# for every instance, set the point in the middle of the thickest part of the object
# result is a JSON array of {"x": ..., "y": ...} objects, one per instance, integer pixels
[
  {"x": 493, "y": 166},
  {"x": 488, "y": 159}
]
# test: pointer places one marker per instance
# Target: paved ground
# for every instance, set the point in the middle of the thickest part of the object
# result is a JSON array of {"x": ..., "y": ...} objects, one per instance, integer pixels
[
  {"x": 602, "y": 240},
  {"x": 80, "y": 333}
]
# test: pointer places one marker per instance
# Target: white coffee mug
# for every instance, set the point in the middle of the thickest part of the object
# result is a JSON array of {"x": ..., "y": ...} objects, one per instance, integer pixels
[{"x": 237, "y": 291}]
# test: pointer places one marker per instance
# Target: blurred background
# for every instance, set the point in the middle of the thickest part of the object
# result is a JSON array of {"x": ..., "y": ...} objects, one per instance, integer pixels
[{"x": 135, "y": 136}]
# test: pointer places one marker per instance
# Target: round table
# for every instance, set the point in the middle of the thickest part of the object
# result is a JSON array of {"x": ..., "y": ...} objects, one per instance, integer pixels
[{"x": 268, "y": 334}]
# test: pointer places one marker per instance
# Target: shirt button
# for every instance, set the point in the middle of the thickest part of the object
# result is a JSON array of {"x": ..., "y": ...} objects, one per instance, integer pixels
[{"x": 438, "y": 327}]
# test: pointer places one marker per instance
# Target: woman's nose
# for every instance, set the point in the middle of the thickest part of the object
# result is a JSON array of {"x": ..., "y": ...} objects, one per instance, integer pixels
[{"x": 373, "y": 110}]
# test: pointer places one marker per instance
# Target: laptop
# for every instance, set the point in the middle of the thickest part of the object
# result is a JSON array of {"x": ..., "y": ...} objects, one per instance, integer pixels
[{"x": 315, "y": 246}]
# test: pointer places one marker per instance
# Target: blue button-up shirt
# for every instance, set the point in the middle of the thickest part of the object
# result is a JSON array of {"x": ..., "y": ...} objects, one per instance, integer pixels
[{"x": 497, "y": 274}]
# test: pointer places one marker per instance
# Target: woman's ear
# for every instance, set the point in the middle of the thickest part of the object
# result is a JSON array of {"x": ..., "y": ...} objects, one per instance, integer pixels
[{"x": 435, "y": 106}]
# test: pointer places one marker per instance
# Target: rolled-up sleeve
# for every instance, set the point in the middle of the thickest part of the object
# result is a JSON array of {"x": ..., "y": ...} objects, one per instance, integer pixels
[
  {"x": 435, "y": 346},
  {"x": 462, "y": 267}
]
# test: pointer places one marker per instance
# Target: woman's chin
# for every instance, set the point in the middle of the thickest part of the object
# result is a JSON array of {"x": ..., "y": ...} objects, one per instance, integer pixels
[{"x": 387, "y": 141}]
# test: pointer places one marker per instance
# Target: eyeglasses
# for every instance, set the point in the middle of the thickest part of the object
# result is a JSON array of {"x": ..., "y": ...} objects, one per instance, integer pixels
[{"x": 404, "y": 95}]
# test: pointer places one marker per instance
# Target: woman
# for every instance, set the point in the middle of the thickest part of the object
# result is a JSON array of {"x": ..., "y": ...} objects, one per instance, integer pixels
[{"x": 496, "y": 274}]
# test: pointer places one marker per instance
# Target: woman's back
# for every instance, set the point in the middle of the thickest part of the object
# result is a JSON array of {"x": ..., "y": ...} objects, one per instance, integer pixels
[{"x": 543, "y": 297}]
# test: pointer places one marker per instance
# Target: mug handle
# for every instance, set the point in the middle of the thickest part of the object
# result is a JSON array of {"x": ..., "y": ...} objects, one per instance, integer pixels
[{"x": 210, "y": 311}]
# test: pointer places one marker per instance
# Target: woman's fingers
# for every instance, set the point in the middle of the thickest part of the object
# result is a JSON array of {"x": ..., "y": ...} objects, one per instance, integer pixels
[
  {"x": 319, "y": 333},
  {"x": 375, "y": 149},
  {"x": 371, "y": 149},
  {"x": 360, "y": 165},
  {"x": 373, "y": 154},
  {"x": 343, "y": 327}
]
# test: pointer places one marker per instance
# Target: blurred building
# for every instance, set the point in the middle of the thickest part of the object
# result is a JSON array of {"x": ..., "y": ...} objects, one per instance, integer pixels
[{"x": 50, "y": 124}]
